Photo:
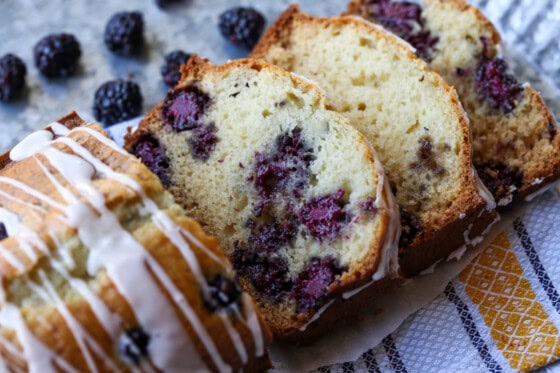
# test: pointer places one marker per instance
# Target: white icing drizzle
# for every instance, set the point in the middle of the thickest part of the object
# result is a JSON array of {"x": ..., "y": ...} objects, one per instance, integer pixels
[
  {"x": 101, "y": 232},
  {"x": 540, "y": 191},
  {"x": 236, "y": 338},
  {"x": 173, "y": 233},
  {"x": 80, "y": 335},
  {"x": 457, "y": 254},
  {"x": 11, "y": 349},
  {"x": 484, "y": 192},
  {"x": 27, "y": 189},
  {"x": 431, "y": 269},
  {"x": 130, "y": 265},
  {"x": 252, "y": 321},
  {"x": 12, "y": 259},
  {"x": 316, "y": 315},
  {"x": 30, "y": 145}
]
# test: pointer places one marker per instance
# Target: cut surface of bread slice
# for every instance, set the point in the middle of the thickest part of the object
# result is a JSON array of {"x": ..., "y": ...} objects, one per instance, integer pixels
[
  {"x": 292, "y": 191},
  {"x": 515, "y": 138},
  {"x": 411, "y": 116},
  {"x": 103, "y": 272}
]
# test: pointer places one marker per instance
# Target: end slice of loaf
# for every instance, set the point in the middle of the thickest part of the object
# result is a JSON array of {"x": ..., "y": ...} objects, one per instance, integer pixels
[
  {"x": 515, "y": 138},
  {"x": 294, "y": 193},
  {"x": 410, "y": 115},
  {"x": 103, "y": 272}
]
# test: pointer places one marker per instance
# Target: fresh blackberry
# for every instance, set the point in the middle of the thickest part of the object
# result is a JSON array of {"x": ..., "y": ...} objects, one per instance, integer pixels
[
  {"x": 124, "y": 33},
  {"x": 242, "y": 26},
  {"x": 166, "y": 3},
  {"x": 170, "y": 70},
  {"x": 116, "y": 101},
  {"x": 12, "y": 77},
  {"x": 57, "y": 55}
]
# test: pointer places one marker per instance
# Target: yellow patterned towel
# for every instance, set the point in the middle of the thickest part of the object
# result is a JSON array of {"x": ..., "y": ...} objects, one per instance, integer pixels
[{"x": 500, "y": 314}]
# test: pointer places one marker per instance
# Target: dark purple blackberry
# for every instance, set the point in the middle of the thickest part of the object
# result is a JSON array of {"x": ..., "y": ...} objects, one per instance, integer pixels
[
  {"x": 133, "y": 344},
  {"x": 242, "y": 26},
  {"x": 369, "y": 206},
  {"x": 170, "y": 70},
  {"x": 324, "y": 216},
  {"x": 116, "y": 101},
  {"x": 183, "y": 108},
  {"x": 312, "y": 283},
  {"x": 223, "y": 292},
  {"x": 427, "y": 157},
  {"x": 290, "y": 159},
  {"x": 3, "y": 232},
  {"x": 12, "y": 77},
  {"x": 405, "y": 19},
  {"x": 411, "y": 226},
  {"x": 124, "y": 33},
  {"x": 499, "y": 89},
  {"x": 57, "y": 55},
  {"x": 166, "y": 3},
  {"x": 149, "y": 150},
  {"x": 499, "y": 178},
  {"x": 202, "y": 141},
  {"x": 271, "y": 236},
  {"x": 269, "y": 275}
]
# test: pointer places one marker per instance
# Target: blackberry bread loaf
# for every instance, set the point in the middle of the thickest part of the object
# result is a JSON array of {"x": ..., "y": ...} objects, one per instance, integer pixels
[
  {"x": 102, "y": 271},
  {"x": 292, "y": 191},
  {"x": 515, "y": 138},
  {"x": 411, "y": 116}
]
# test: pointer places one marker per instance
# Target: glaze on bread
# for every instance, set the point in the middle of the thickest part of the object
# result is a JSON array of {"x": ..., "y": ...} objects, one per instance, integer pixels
[
  {"x": 102, "y": 271},
  {"x": 292, "y": 191}
]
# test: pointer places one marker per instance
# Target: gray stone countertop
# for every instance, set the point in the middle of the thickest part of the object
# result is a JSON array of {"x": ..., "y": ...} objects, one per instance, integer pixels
[
  {"x": 530, "y": 27},
  {"x": 191, "y": 25}
]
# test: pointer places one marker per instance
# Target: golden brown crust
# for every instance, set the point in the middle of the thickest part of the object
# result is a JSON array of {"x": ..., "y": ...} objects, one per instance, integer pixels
[
  {"x": 539, "y": 163},
  {"x": 434, "y": 242},
  {"x": 288, "y": 326},
  {"x": 46, "y": 322}
]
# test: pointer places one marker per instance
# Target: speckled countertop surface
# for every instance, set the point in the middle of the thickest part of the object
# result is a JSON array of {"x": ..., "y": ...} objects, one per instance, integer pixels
[
  {"x": 531, "y": 26},
  {"x": 190, "y": 25}
]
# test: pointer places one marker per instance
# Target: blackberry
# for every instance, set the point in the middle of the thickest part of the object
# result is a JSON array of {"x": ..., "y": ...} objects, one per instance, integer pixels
[
  {"x": 12, "y": 77},
  {"x": 57, "y": 55},
  {"x": 3, "y": 231},
  {"x": 312, "y": 283},
  {"x": 202, "y": 141},
  {"x": 183, "y": 109},
  {"x": 117, "y": 100},
  {"x": 495, "y": 86},
  {"x": 222, "y": 293},
  {"x": 124, "y": 33},
  {"x": 133, "y": 344},
  {"x": 166, "y": 3},
  {"x": 242, "y": 26},
  {"x": 170, "y": 70},
  {"x": 324, "y": 216},
  {"x": 149, "y": 150}
]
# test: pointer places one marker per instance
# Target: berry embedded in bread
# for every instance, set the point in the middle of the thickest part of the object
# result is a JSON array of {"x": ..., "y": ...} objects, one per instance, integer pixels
[
  {"x": 411, "y": 116},
  {"x": 293, "y": 192},
  {"x": 515, "y": 138},
  {"x": 102, "y": 271}
]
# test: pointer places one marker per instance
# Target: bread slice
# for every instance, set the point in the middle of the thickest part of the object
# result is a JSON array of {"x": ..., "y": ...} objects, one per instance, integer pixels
[
  {"x": 102, "y": 271},
  {"x": 410, "y": 115},
  {"x": 292, "y": 191},
  {"x": 515, "y": 138}
]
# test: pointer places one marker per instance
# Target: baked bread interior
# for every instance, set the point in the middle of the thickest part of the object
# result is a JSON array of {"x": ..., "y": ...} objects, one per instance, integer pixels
[
  {"x": 516, "y": 146},
  {"x": 292, "y": 191},
  {"x": 411, "y": 116}
]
